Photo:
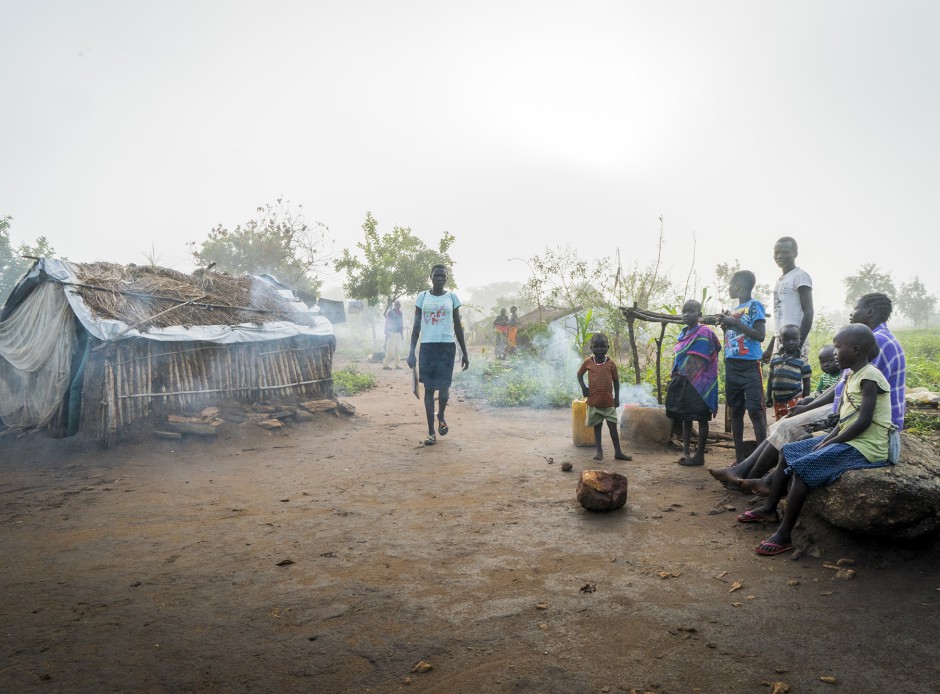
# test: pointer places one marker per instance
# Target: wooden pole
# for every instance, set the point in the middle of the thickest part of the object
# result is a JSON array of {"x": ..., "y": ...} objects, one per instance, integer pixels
[
  {"x": 636, "y": 355},
  {"x": 659, "y": 360}
]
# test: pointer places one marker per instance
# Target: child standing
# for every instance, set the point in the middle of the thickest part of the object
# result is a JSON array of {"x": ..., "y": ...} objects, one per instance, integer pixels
[
  {"x": 602, "y": 393},
  {"x": 859, "y": 441},
  {"x": 790, "y": 373},
  {"x": 744, "y": 384},
  {"x": 830, "y": 368},
  {"x": 692, "y": 393}
]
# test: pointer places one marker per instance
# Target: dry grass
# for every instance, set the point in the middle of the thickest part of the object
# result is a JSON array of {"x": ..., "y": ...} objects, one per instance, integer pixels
[{"x": 136, "y": 294}]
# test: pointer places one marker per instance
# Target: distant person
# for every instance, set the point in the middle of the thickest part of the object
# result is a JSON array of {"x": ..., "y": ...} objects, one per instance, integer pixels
[
  {"x": 790, "y": 374},
  {"x": 859, "y": 441},
  {"x": 513, "y": 329},
  {"x": 394, "y": 331},
  {"x": 692, "y": 393},
  {"x": 830, "y": 369},
  {"x": 744, "y": 384},
  {"x": 437, "y": 323},
  {"x": 501, "y": 323},
  {"x": 603, "y": 395},
  {"x": 793, "y": 297}
]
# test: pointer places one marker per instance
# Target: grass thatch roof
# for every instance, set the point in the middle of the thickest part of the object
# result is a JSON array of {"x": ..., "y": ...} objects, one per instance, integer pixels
[{"x": 136, "y": 294}]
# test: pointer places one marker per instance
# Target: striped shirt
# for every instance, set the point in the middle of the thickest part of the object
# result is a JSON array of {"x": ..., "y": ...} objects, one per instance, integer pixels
[
  {"x": 890, "y": 361},
  {"x": 826, "y": 381},
  {"x": 786, "y": 376}
]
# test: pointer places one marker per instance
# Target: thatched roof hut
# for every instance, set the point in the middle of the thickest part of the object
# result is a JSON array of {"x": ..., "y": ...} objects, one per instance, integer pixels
[{"x": 96, "y": 347}]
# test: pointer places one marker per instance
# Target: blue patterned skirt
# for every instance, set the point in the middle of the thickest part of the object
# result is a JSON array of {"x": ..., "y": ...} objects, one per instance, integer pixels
[{"x": 823, "y": 467}]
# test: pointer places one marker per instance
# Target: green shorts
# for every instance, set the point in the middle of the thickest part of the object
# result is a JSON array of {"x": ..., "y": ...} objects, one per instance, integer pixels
[{"x": 597, "y": 415}]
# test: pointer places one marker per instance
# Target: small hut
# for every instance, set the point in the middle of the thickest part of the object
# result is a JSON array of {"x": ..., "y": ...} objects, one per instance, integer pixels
[{"x": 95, "y": 348}]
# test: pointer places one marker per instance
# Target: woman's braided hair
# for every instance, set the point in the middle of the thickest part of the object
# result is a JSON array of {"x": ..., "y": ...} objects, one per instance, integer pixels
[{"x": 879, "y": 304}]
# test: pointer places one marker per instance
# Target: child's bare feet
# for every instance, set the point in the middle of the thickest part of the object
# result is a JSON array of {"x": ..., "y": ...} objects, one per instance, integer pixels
[
  {"x": 622, "y": 456},
  {"x": 757, "y": 486},
  {"x": 599, "y": 455},
  {"x": 695, "y": 460},
  {"x": 724, "y": 475}
]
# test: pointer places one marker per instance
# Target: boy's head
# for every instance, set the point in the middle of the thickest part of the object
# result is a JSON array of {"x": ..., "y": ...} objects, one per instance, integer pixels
[
  {"x": 691, "y": 313},
  {"x": 855, "y": 346},
  {"x": 502, "y": 312},
  {"x": 599, "y": 344},
  {"x": 512, "y": 309},
  {"x": 438, "y": 277},
  {"x": 790, "y": 339},
  {"x": 398, "y": 304},
  {"x": 785, "y": 251},
  {"x": 827, "y": 360},
  {"x": 872, "y": 310},
  {"x": 741, "y": 284}
]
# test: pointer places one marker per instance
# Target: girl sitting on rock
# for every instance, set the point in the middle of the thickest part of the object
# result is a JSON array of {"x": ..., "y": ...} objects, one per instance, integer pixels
[{"x": 859, "y": 441}]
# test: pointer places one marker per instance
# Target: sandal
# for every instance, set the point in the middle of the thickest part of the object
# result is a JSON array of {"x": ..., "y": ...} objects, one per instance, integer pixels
[
  {"x": 770, "y": 549},
  {"x": 430, "y": 440},
  {"x": 752, "y": 517},
  {"x": 442, "y": 428}
]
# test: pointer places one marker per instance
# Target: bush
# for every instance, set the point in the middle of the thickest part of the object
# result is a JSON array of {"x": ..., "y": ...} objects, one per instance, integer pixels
[{"x": 349, "y": 381}]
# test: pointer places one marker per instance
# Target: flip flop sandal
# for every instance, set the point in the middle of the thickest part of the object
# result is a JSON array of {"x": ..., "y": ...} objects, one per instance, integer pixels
[
  {"x": 751, "y": 517},
  {"x": 430, "y": 440},
  {"x": 770, "y": 549},
  {"x": 442, "y": 428}
]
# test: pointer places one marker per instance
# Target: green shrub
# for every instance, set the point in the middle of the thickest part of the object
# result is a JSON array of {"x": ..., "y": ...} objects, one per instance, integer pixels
[{"x": 349, "y": 381}]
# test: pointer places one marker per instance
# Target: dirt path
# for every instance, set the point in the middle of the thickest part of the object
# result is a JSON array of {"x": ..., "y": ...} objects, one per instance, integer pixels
[{"x": 155, "y": 567}]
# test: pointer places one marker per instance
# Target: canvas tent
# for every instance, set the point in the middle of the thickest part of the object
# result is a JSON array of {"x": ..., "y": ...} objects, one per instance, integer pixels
[{"x": 96, "y": 347}]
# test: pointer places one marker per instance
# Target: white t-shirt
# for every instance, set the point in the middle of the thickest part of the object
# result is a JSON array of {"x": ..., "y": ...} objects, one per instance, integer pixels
[
  {"x": 437, "y": 316},
  {"x": 787, "y": 307}
]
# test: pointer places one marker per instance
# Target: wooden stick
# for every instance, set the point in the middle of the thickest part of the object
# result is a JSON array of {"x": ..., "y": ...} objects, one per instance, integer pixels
[{"x": 147, "y": 320}]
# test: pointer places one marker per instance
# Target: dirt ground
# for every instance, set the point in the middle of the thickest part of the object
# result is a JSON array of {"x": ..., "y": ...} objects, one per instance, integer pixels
[{"x": 161, "y": 567}]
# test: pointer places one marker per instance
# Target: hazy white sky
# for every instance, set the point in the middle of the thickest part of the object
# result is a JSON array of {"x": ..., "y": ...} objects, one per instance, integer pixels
[{"x": 514, "y": 125}]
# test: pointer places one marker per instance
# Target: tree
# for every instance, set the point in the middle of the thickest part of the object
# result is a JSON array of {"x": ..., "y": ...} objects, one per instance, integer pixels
[
  {"x": 12, "y": 261},
  {"x": 723, "y": 274},
  {"x": 391, "y": 265},
  {"x": 914, "y": 301},
  {"x": 278, "y": 242},
  {"x": 868, "y": 279}
]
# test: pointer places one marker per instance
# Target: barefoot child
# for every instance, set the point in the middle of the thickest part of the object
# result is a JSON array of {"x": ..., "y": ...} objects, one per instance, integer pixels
[
  {"x": 602, "y": 393},
  {"x": 744, "y": 329},
  {"x": 692, "y": 393},
  {"x": 790, "y": 373},
  {"x": 859, "y": 441}
]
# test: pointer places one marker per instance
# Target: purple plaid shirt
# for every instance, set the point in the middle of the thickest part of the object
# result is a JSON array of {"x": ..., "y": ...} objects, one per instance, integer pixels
[{"x": 890, "y": 362}]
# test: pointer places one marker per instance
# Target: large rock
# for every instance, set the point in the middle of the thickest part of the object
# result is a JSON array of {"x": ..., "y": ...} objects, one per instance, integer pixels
[
  {"x": 602, "y": 491},
  {"x": 645, "y": 426},
  {"x": 898, "y": 501}
]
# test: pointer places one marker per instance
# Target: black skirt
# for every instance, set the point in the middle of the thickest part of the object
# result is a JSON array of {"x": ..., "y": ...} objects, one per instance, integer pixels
[{"x": 684, "y": 403}]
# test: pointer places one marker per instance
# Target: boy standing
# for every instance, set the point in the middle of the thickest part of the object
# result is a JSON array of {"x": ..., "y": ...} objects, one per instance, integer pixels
[
  {"x": 744, "y": 330},
  {"x": 603, "y": 394},
  {"x": 790, "y": 373},
  {"x": 793, "y": 296}
]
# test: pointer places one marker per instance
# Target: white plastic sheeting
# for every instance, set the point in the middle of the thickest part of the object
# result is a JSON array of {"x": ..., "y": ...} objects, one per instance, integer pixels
[
  {"x": 36, "y": 344},
  {"x": 37, "y": 339},
  {"x": 107, "y": 329}
]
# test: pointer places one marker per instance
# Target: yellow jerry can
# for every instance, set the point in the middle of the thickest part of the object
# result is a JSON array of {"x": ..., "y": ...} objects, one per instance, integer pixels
[{"x": 581, "y": 434}]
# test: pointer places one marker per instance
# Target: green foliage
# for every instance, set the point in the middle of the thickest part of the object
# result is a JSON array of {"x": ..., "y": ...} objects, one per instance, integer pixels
[
  {"x": 519, "y": 382},
  {"x": 921, "y": 422},
  {"x": 914, "y": 301},
  {"x": 922, "y": 354},
  {"x": 12, "y": 264},
  {"x": 868, "y": 279},
  {"x": 392, "y": 265},
  {"x": 349, "y": 381},
  {"x": 278, "y": 242}
]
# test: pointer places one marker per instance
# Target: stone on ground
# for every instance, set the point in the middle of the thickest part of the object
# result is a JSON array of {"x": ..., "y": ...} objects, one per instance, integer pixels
[
  {"x": 898, "y": 501},
  {"x": 601, "y": 491}
]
